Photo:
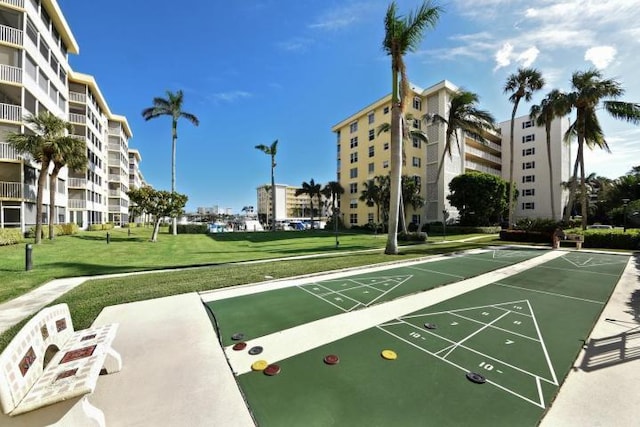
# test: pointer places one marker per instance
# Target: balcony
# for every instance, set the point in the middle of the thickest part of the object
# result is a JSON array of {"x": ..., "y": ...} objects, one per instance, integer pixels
[
  {"x": 77, "y": 204},
  {"x": 14, "y": 3},
  {"x": 10, "y": 113},
  {"x": 482, "y": 168},
  {"x": 77, "y": 97},
  {"x": 7, "y": 152},
  {"x": 11, "y": 35},
  {"x": 10, "y": 190},
  {"x": 115, "y": 178},
  {"x": 10, "y": 74},
  {"x": 114, "y": 193},
  {"x": 483, "y": 155},
  {"x": 77, "y": 183},
  {"x": 78, "y": 118}
]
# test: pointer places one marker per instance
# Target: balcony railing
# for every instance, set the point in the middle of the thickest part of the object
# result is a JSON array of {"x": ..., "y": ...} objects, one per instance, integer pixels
[
  {"x": 11, "y": 35},
  {"x": 16, "y": 3},
  {"x": 11, "y": 113},
  {"x": 114, "y": 193},
  {"x": 77, "y": 182},
  {"x": 77, "y": 204},
  {"x": 77, "y": 118},
  {"x": 10, "y": 190},
  {"x": 9, "y": 73},
  {"x": 115, "y": 178},
  {"x": 77, "y": 97},
  {"x": 7, "y": 152},
  {"x": 483, "y": 154},
  {"x": 482, "y": 168}
]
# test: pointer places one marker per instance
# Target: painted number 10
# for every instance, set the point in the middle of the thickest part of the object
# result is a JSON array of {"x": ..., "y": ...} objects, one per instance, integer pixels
[{"x": 486, "y": 366}]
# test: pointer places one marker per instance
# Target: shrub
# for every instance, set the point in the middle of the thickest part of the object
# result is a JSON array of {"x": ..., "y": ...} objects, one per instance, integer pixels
[
  {"x": 437, "y": 228},
  {"x": 412, "y": 227},
  {"x": 525, "y": 236},
  {"x": 193, "y": 228},
  {"x": 10, "y": 236},
  {"x": 544, "y": 225},
  {"x": 412, "y": 237},
  {"x": 101, "y": 227},
  {"x": 612, "y": 239}
]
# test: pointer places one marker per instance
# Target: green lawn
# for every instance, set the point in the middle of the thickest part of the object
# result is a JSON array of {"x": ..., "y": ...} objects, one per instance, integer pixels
[{"x": 88, "y": 254}]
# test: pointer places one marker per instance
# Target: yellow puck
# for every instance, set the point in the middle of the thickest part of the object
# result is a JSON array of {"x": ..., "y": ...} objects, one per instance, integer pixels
[
  {"x": 259, "y": 365},
  {"x": 389, "y": 354}
]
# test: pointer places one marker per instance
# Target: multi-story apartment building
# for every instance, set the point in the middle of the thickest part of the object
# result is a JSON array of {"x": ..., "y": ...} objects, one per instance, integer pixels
[
  {"x": 34, "y": 43},
  {"x": 288, "y": 205},
  {"x": 136, "y": 179},
  {"x": 363, "y": 153},
  {"x": 531, "y": 166},
  {"x": 35, "y": 76}
]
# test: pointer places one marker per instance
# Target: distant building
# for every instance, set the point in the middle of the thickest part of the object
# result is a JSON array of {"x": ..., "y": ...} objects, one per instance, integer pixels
[{"x": 288, "y": 205}]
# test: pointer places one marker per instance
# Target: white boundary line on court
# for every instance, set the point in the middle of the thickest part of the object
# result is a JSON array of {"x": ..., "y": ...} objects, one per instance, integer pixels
[{"x": 299, "y": 339}]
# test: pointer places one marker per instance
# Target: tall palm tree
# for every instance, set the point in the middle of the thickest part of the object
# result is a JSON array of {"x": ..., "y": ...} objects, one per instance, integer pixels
[
  {"x": 403, "y": 34},
  {"x": 554, "y": 105},
  {"x": 171, "y": 106},
  {"x": 271, "y": 150},
  {"x": 312, "y": 189},
  {"x": 42, "y": 144},
  {"x": 464, "y": 115},
  {"x": 411, "y": 193},
  {"x": 71, "y": 152},
  {"x": 332, "y": 191},
  {"x": 520, "y": 85},
  {"x": 371, "y": 195},
  {"x": 590, "y": 92}
]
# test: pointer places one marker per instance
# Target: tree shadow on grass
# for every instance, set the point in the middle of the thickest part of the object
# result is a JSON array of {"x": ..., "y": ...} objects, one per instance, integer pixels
[{"x": 112, "y": 238}]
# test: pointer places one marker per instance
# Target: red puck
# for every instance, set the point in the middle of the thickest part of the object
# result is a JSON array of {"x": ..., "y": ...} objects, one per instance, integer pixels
[
  {"x": 272, "y": 370},
  {"x": 239, "y": 346},
  {"x": 331, "y": 359}
]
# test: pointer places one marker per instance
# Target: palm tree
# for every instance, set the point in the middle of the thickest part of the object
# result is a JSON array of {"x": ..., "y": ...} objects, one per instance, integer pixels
[
  {"x": 521, "y": 86},
  {"x": 171, "y": 106},
  {"x": 554, "y": 105},
  {"x": 402, "y": 35},
  {"x": 312, "y": 190},
  {"x": 71, "y": 152},
  {"x": 465, "y": 116},
  {"x": 371, "y": 196},
  {"x": 411, "y": 193},
  {"x": 43, "y": 145},
  {"x": 271, "y": 150},
  {"x": 332, "y": 191},
  {"x": 590, "y": 91}
]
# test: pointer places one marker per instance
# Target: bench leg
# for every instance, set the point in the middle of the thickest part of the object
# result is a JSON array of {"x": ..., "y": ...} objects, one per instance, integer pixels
[
  {"x": 579, "y": 245},
  {"x": 113, "y": 361}
]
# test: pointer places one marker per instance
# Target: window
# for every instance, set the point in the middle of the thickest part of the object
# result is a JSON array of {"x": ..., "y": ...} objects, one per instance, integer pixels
[
  {"x": 527, "y": 124},
  {"x": 415, "y": 219},
  {"x": 416, "y": 142},
  {"x": 528, "y": 206},
  {"x": 353, "y": 127},
  {"x": 416, "y": 123},
  {"x": 370, "y": 217},
  {"x": 354, "y": 142},
  {"x": 415, "y": 162},
  {"x": 529, "y": 178},
  {"x": 354, "y": 157},
  {"x": 353, "y": 218},
  {"x": 372, "y": 151},
  {"x": 528, "y": 138},
  {"x": 417, "y": 103},
  {"x": 371, "y": 168},
  {"x": 353, "y": 203},
  {"x": 353, "y": 187},
  {"x": 528, "y": 165},
  {"x": 385, "y": 110},
  {"x": 385, "y": 164},
  {"x": 529, "y": 151},
  {"x": 371, "y": 117},
  {"x": 529, "y": 192},
  {"x": 417, "y": 180},
  {"x": 386, "y": 146},
  {"x": 353, "y": 173},
  {"x": 372, "y": 134}
]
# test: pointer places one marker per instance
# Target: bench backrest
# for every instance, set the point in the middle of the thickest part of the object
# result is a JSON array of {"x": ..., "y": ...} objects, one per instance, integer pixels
[{"x": 22, "y": 362}]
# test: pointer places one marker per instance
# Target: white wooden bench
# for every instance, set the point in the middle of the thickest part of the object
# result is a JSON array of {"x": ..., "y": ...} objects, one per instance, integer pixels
[
  {"x": 575, "y": 239},
  {"x": 48, "y": 362}
]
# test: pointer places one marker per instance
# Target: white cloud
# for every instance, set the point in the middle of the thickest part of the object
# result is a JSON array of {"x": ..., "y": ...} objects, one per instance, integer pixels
[
  {"x": 527, "y": 57},
  {"x": 503, "y": 55},
  {"x": 230, "y": 96},
  {"x": 601, "y": 56},
  {"x": 296, "y": 44},
  {"x": 341, "y": 17}
]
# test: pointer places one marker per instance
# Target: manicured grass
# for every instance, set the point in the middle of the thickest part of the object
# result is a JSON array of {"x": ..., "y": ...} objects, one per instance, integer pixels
[{"x": 88, "y": 254}]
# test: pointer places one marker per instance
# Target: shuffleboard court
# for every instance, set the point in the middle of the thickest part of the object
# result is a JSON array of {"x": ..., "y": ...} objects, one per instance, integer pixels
[
  {"x": 521, "y": 333},
  {"x": 266, "y": 312}
]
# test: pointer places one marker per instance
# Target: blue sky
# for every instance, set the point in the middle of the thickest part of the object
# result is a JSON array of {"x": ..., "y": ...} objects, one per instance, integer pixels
[{"x": 256, "y": 71}]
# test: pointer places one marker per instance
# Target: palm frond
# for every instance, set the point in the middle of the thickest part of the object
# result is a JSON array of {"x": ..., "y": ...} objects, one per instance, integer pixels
[{"x": 627, "y": 111}]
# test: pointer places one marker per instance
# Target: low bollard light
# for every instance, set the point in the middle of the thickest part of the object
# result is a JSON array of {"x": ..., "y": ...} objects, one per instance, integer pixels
[
  {"x": 28, "y": 259},
  {"x": 108, "y": 238}
]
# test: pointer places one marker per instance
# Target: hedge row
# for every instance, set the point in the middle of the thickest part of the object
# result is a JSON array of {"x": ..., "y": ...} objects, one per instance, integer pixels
[
  {"x": 10, "y": 236},
  {"x": 412, "y": 237},
  {"x": 58, "y": 230},
  {"x": 193, "y": 228},
  {"x": 610, "y": 239},
  {"x": 101, "y": 227},
  {"x": 437, "y": 228}
]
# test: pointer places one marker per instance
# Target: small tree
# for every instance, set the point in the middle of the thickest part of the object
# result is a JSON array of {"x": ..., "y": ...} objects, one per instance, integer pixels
[
  {"x": 480, "y": 198},
  {"x": 158, "y": 204}
]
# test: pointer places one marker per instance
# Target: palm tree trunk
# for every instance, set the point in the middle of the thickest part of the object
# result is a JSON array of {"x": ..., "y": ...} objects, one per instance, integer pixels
[
  {"x": 42, "y": 179},
  {"x": 174, "y": 140},
  {"x": 512, "y": 186},
  {"x": 551, "y": 183},
  {"x": 273, "y": 198},
  {"x": 583, "y": 190},
  {"x": 403, "y": 214},
  {"x": 395, "y": 173},
  {"x": 572, "y": 189},
  {"x": 53, "y": 178},
  {"x": 440, "y": 167}
]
